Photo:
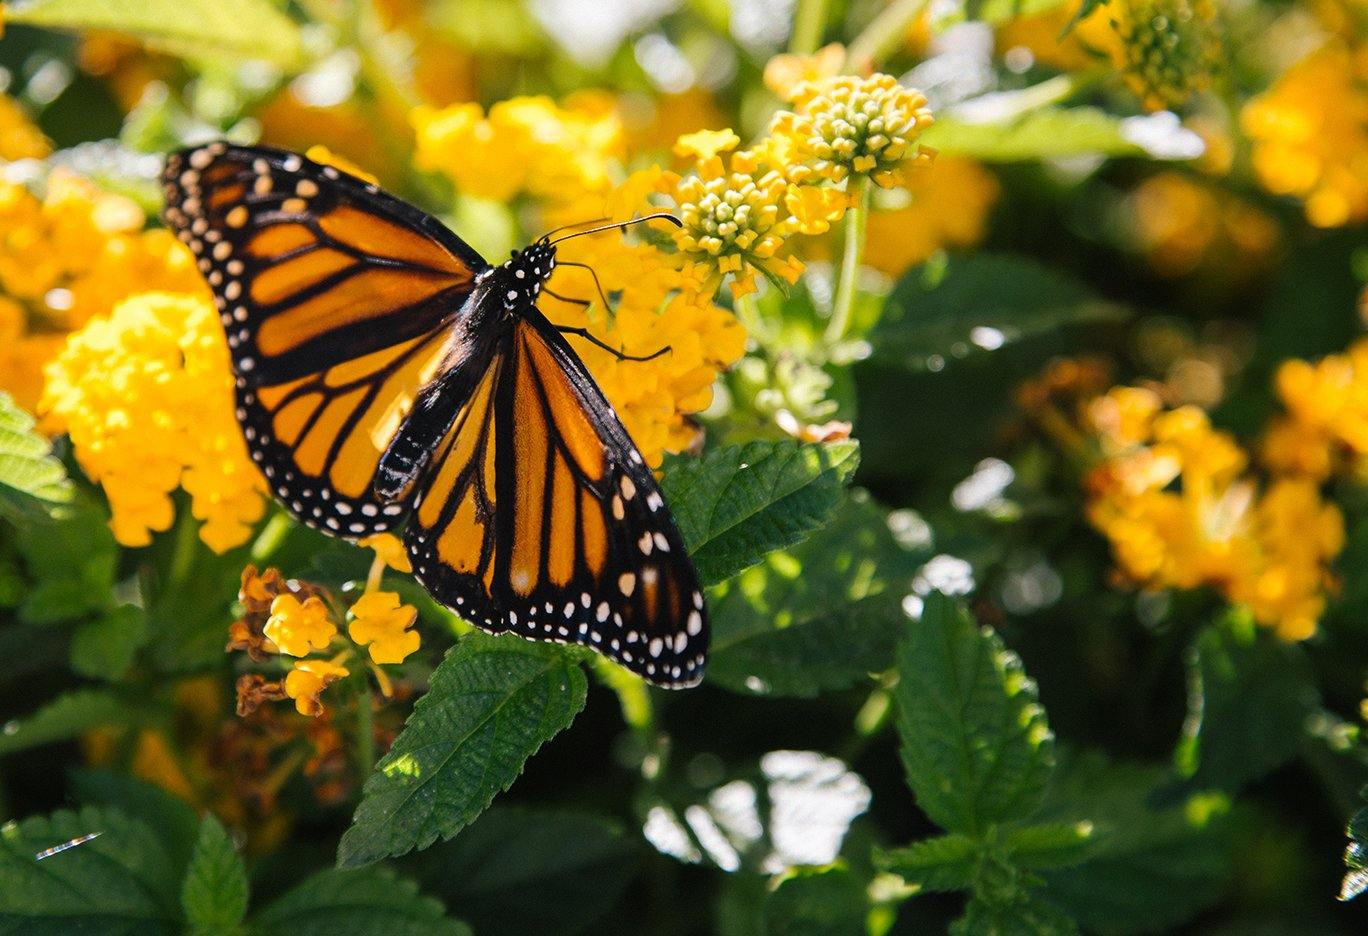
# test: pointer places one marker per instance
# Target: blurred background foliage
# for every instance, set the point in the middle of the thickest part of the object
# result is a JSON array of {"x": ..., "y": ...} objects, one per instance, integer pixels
[{"x": 1099, "y": 357}]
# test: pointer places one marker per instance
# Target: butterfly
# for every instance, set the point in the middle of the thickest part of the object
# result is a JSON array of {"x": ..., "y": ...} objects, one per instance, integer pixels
[{"x": 387, "y": 376}]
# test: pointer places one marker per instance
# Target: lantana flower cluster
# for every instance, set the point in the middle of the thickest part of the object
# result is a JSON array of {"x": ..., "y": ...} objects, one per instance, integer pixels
[
  {"x": 1324, "y": 430},
  {"x": 299, "y": 623}
]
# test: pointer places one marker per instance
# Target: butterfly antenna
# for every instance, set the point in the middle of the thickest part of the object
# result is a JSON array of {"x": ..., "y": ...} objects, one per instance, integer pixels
[
  {"x": 658, "y": 216},
  {"x": 599, "y": 286},
  {"x": 565, "y": 227}
]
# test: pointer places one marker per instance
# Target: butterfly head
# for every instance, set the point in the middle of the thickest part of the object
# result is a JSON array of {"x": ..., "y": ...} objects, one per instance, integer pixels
[{"x": 523, "y": 275}]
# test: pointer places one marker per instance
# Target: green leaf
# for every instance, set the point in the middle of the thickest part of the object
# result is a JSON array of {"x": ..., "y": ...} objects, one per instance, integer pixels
[
  {"x": 1249, "y": 698},
  {"x": 1051, "y": 845},
  {"x": 120, "y": 882},
  {"x": 72, "y": 560},
  {"x": 1152, "y": 867},
  {"x": 1000, "y": 11},
  {"x": 65, "y": 717},
  {"x": 104, "y": 647},
  {"x": 975, "y": 743},
  {"x": 214, "y": 893},
  {"x": 176, "y": 823},
  {"x": 1025, "y": 915},
  {"x": 357, "y": 901},
  {"x": 738, "y": 503},
  {"x": 492, "y": 703},
  {"x": 1039, "y": 133},
  {"x": 519, "y": 871},
  {"x": 825, "y": 902},
  {"x": 974, "y": 304},
  {"x": 240, "y": 29},
  {"x": 941, "y": 863},
  {"x": 1356, "y": 854},
  {"x": 33, "y": 484},
  {"x": 817, "y": 617}
]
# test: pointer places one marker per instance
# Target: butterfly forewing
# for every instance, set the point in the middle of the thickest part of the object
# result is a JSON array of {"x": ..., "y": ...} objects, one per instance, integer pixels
[
  {"x": 541, "y": 518},
  {"x": 335, "y": 299}
]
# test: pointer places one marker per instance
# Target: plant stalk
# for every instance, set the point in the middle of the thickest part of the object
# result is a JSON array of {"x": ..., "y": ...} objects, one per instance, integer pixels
[{"x": 854, "y": 232}]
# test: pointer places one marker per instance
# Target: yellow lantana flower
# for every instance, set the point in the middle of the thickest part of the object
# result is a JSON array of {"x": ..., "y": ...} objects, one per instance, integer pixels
[
  {"x": 19, "y": 137},
  {"x": 146, "y": 396},
  {"x": 1310, "y": 136},
  {"x": 846, "y": 126},
  {"x": 299, "y": 627},
  {"x": 946, "y": 206},
  {"x": 1168, "y": 48},
  {"x": 389, "y": 550},
  {"x": 382, "y": 622},
  {"x": 785, "y": 73},
  {"x": 306, "y": 682}
]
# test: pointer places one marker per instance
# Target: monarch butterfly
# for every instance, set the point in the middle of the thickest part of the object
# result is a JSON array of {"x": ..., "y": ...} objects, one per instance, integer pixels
[{"x": 387, "y": 375}]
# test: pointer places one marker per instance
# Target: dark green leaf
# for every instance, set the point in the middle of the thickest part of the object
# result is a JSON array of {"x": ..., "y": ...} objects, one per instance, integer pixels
[
  {"x": 67, "y": 716},
  {"x": 817, "y": 617},
  {"x": 1249, "y": 698},
  {"x": 827, "y": 902},
  {"x": 975, "y": 304},
  {"x": 736, "y": 504},
  {"x": 33, "y": 484},
  {"x": 104, "y": 648},
  {"x": 1052, "y": 845},
  {"x": 518, "y": 871},
  {"x": 1026, "y": 915},
  {"x": 1356, "y": 854},
  {"x": 975, "y": 743},
  {"x": 1152, "y": 867},
  {"x": 72, "y": 561},
  {"x": 249, "y": 29},
  {"x": 360, "y": 902},
  {"x": 176, "y": 823},
  {"x": 214, "y": 893},
  {"x": 492, "y": 703},
  {"x": 942, "y": 863},
  {"x": 120, "y": 882}
]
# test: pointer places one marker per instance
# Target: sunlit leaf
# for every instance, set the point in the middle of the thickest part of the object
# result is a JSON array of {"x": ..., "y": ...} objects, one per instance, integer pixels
[
  {"x": 819, "y": 616},
  {"x": 491, "y": 704},
  {"x": 1356, "y": 854},
  {"x": 247, "y": 29},
  {"x": 738, "y": 503},
  {"x": 33, "y": 483},
  {"x": 975, "y": 743},
  {"x": 1042, "y": 133}
]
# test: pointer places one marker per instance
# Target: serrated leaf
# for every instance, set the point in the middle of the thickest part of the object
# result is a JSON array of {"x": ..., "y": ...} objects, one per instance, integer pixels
[
  {"x": 491, "y": 704},
  {"x": 1249, "y": 698},
  {"x": 532, "y": 873},
  {"x": 104, "y": 648},
  {"x": 975, "y": 743},
  {"x": 175, "y": 821},
  {"x": 1040, "y": 133},
  {"x": 817, "y": 617},
  {"x": 214, "y": 892},
  {"x": 357, "y": 901},
  {"x": 33, "y": 484},
  {"x": 119, "y": 882},
  {"x": 239, "y": 29},
  {"x": 72, "y": 560},
  {"x": 941, "y": 863},
  {"x": 1356, "y": 853},
  {"x": 975, "y": 304},
  {"x": 826, "y": 902},
  {"x": 67, "y": 716},
  {"x": 1152, "y": 866},
  {"x": 737, "y": 504},
  {"x": 1025, "y": 915}
]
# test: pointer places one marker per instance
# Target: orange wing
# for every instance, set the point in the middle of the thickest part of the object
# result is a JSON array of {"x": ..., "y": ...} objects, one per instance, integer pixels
[
  {"x": 540, "y": 517},
  {"x": 335, "y": 298}
]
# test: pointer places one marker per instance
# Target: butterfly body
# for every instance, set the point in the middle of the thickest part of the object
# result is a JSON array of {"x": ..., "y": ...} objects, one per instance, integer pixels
[{"x": 388, "y": 377}]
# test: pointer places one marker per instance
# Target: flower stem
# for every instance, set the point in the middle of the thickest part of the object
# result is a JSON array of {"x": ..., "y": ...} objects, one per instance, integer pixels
[
  {"x": 270, "y": 538},
  {"x": 855, "y": 224},
  {"x": 365, "y": 734},
  {"x": 809, "y": 24},
  {"x": 884, "y": 34}
]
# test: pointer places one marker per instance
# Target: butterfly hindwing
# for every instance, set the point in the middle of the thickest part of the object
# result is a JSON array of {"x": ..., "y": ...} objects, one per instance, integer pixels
[
  {"x": 541, "y": 518},
  {"x": 336, "y": 299}
]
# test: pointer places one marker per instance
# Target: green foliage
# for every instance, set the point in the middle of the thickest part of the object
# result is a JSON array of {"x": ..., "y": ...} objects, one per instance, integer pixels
[
  {"x": 243, "y": 29},
  {"x": 491, "y": 704},
  {"x": 1040, "y": 133},
  {"x": 357, "y": 901},
  {"x": 68, "y": 716},
  {"x": 103, "y": 648},
  {"x": 33, "y": 484},
  {"x": 214, "y": 892},
  {"x": 1356, "y": 854},
  {"x": 822, "y": 902},
  {"x": 72, "y": 561},
  {"x": 975, "y": 304},
  {"x": 737, "y": 504},
  {"x": 1249, "y": 698},
  {"x": 975, "y": 743},
  {"x": 531, "y": 872},
  {"x": 819, "y": 616}
]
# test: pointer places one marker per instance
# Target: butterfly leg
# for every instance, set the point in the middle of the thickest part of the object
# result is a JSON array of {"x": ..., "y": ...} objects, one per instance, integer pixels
[{"x": 585, "y": 334}]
